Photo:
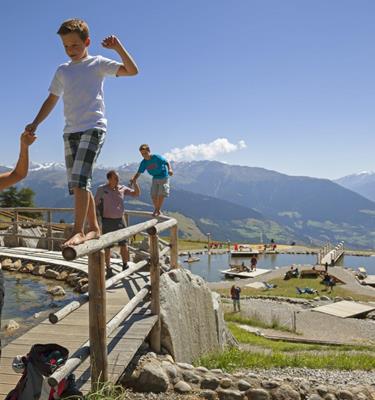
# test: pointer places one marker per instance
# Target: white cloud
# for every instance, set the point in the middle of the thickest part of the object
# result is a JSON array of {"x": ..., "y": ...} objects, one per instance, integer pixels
[{"x": 204, "y": 151}]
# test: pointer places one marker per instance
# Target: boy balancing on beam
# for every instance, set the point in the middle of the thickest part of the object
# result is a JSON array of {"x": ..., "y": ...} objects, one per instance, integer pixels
[
  {"x": 160, "y": 169},
  {"x": 80, "y": 83}
]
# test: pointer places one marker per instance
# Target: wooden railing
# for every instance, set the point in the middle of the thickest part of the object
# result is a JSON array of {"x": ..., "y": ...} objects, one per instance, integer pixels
[
  {"x": 96, "y": 347},
  {"x": 329, "y": 254},
  {"x": 99, "y": 330}
]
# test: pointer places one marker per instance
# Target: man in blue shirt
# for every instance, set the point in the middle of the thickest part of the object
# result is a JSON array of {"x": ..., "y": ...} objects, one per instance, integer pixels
[{"x": 160, "y": 170}]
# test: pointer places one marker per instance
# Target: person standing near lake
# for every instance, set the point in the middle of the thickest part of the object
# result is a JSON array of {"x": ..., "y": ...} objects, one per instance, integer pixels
[
  {"x": 253, "y": 263},
  {"x": 109, "y": 200},
  {"x": 10, "y": 178},
  {"x": 80, "y": 83},
  {"x": 235, "y": 295},
  {"x": 160, "y": 169}
]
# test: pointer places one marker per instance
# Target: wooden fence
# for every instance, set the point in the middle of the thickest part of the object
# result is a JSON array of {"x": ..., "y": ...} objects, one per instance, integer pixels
[{"x": 99, "y": 330}]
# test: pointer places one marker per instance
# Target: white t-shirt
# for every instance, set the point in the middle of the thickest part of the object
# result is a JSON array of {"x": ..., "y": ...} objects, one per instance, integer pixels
[{"x": 81, "y": 85}]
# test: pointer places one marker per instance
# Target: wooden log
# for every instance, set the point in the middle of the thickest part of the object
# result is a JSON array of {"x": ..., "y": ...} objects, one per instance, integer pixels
[
  {"x": 163, "y": 252},
  {"x": 90, "y": 246},
  {"x": 161, "y": 226},
  {"x": 82, "y": 299},
  {"x": 97, "y": 320},
  {"x": 155, "y": 335},
  {"x": 49, "y": 230},
  {"x": 83, "y": 352},
  {"x": 174, "y": 246}
]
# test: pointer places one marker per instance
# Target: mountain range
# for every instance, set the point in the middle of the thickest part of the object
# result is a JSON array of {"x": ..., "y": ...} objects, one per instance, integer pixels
[
  {"x": 238, "y": 203},
  {"x": 362, "y": 183}
]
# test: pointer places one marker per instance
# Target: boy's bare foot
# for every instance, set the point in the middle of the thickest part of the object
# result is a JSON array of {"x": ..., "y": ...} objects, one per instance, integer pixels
[
  {"x": 77, "y": 238},
  {"x": 92, "y": 235}
]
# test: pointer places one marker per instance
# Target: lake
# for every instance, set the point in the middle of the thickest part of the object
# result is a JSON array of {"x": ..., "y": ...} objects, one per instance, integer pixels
[{"x": 209, "y": 266}]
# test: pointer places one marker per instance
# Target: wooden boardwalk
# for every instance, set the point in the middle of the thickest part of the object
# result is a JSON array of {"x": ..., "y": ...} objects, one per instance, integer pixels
[{"x": 73, "y": 331}]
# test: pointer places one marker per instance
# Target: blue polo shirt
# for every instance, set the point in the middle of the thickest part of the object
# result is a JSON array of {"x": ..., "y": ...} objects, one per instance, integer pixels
[{"x": 157, "y": 166}]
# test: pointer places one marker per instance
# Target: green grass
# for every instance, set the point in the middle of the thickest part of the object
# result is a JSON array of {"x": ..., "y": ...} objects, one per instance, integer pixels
[
  {"x": 282, "y": 354},
  {"x": 249, "y": 338},
  {"x": 234, "y": 359},
  {"x": 288, "y": 289},
  {"x": 108, "y": 391},
  {"x": 254, "y": 321}
]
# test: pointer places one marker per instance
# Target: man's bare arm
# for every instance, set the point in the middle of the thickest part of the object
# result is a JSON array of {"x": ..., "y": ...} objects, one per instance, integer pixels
[
  {"x": 137, "y": 190},
  {"x": 21, "y": 169},
  {"x": 129, "y": 67},
  {"x": 43, "y": 113}
]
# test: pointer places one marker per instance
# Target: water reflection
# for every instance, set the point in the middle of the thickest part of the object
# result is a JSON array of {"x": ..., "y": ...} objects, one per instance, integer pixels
[
  {"x": 26, "y": 296},
  {"x": 209, "y": 266}
]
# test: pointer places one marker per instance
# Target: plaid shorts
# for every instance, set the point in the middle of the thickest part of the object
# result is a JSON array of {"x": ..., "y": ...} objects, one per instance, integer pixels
[{"x": 81, "y": 151}]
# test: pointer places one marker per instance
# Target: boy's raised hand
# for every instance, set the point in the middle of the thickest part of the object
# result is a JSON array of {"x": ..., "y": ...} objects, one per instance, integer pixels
[
  {"x": 28, "y": 138},
  {"x": 111, "y": 42}
]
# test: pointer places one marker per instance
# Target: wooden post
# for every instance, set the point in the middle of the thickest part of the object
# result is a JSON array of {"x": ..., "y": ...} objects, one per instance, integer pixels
[
  {"x": 174, "y": 247},
  {"x": 155, "y": 335},
  {"x": 49, "y": 230},
  {"x": 97, "y": 320},
  {"x": 15, "y": 226}
]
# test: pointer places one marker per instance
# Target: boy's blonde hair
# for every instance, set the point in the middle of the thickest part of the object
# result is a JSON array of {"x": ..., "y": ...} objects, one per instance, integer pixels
[{"x": 75, "y": 25}]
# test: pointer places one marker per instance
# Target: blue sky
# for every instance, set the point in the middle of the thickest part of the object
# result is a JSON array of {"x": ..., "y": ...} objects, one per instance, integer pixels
[{"x": 292, "y": 80}]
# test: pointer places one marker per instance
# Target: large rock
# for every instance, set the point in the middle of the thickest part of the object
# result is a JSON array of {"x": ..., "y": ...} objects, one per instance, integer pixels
[
  {"x": 191, "y": 324},
  {"x": 13, "y": 241}
]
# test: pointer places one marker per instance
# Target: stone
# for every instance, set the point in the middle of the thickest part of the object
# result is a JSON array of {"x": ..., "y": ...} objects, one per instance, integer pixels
[
  {"x": 182, "y": 387},
  {"x": 12, "y": 326},
  {"x": 348, "y": 298},
  {"x": 208, "y": 395},
  {"x": 190, "y": 377},
  {"x": 84, "y": 288},
  {"x": 63, "y": 276},
  {"x": 169, "y": 358},
  {"x": 56, "y": 291},
  {"x": 170, "y": 370},
  {"x": 217, "y": 371},
  {"x": 189, "y": 322},
  {"x": 229, "y": 394},
  {"x": 184, "y": 365},
  {"x": 39, "y": 270},
  {"x": 51, "y": 274},
  {"x": 210, "y": 383},
  {"x": 285, "y": 392},
  {"x": 27, "y": 268},
  {"x": 344, "y": 395},
  {"x": 337, "y": 298},
  {"x": 322, "y": 390},
  {"x": 72, "y": 278},
  {"x": 225, "y": 383},
  {"x": 330, "y": 396},
  {"x": 269, "y": 384},
  {"x": 258, "y": 394},
  {"x": 83, "y": 282},
  {"x": 6, "y": 263},
  {"x": 243, "y": 385},
  {"x": 152, "y": 378},
  {"x": 314, "y": 396},
  {"x": 324, "y": 298},
  {"x": 17, "y": 264},
  {"x": 201, "y": 369}
]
